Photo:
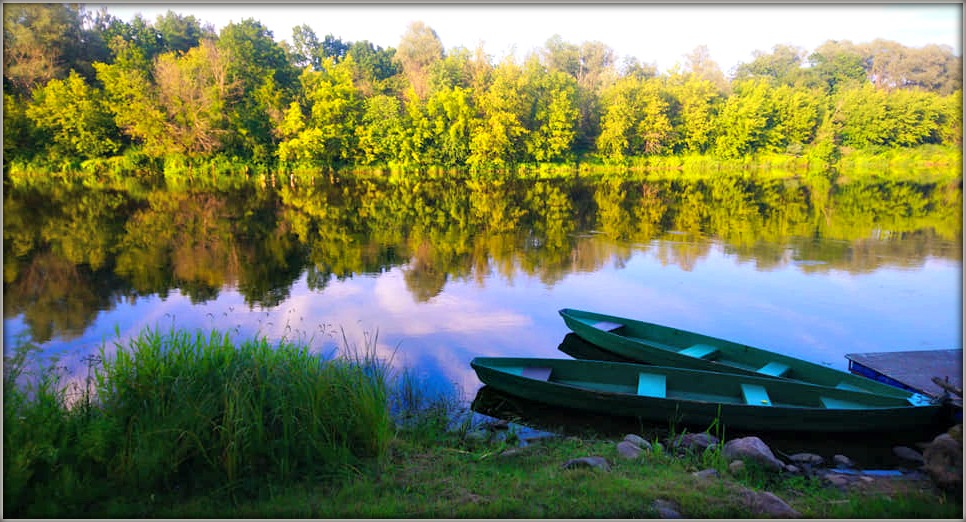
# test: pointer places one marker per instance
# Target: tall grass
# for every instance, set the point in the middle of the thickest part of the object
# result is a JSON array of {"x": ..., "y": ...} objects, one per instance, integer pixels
[{"x": 176, "y": 412}]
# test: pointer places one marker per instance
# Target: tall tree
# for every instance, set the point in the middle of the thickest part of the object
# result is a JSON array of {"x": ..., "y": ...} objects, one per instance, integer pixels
[
  {"x": 592, "y": 65},
  {"x": 306, "y": 48},
  {"x": 636, "y": 120},
  {"x": 76, "y": 117},
  {"x": 178, "y": 33},
  {"x": 132, "y": 97},
  {"x": 375, "y": 70},
  {"x": 193, "y": 91},
  {"x": 835, "y": 64},
  {"x": 259, "y": 67},
  {"x": 698, "y": 99},
  {"x": 324, "y": 132},
  {"x": 335, "y": 48},
  {"x": 39, "y": 43},
  {"x": 452, "y": 118},
  {"x": 782, "y": 66},
  {"x": 744, "y": 119},
  {"x": 382, "y": 130},
  {"x": 498, "y": 140},
  {"x": 418, "y": 50},
  {"x": 699, "y": 63},
  {"x": 554, "y": 114}
]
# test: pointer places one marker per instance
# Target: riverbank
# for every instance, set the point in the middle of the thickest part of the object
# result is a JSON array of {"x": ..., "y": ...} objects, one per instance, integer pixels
[
  {"x": 449, "y": 479},
  {"x": 924, "y": 163},
  {"x": 177, "y": 424}
]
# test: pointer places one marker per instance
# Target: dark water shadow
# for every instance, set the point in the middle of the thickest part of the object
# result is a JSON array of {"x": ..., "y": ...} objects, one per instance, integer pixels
[{"x": 578, "y": 348}]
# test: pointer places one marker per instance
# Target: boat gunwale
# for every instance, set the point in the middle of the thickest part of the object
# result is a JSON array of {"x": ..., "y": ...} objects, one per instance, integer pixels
[{"x": 579, "y": 321}]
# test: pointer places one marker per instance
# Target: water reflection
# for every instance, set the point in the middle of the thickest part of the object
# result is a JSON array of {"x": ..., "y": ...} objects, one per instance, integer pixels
[{"x": 441, "y": 270}]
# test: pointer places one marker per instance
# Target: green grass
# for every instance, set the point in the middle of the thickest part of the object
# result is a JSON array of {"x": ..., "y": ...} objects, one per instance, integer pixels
[
  {"x": 180, "y": 412},
  {"x": 191, "y": 424}
]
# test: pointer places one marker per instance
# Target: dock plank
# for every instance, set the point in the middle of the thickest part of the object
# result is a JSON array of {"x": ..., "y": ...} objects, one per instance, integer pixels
[{"x": 914, "y": 369}]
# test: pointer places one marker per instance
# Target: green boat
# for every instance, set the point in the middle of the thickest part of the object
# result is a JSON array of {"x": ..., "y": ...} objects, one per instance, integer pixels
[
  {"x": 700, "y": 398},
  {"x": 665, "y": 346}
]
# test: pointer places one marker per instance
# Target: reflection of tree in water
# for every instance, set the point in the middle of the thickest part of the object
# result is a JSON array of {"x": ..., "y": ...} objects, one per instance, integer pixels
[
  {"x": 69, "y": 251},
  {"x": 423, "y": 278},
  {"x": 684, "y": 254},
  {"x": 58, "y": 298}
]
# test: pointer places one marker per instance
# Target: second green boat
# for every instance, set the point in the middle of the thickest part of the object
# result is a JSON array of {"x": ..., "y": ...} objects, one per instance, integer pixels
[{"x": 665, "y": 346}]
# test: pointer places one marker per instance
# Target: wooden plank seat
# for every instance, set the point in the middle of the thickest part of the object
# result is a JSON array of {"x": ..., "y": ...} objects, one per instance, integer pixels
[
  {"x": 652, "y": 385},
  {"x": 774, "y": 369},
  {"x": 839, "y": 404},
  {"x": 699, "y": 351},
  {"x": 606, "y": 326},
  {"x": 755, "y": 395},
  {"x": 850, "y": 387},
  {"x": 539, "y": 373}
]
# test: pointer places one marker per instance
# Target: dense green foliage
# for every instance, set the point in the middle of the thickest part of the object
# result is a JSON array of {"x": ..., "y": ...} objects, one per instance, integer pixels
[
  {"x": 91, "y": 90},
  {"x": 176, "y": 412}
]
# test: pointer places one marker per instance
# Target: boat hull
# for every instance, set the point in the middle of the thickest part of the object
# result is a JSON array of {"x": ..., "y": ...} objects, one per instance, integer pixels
[
  {"x": 654, "y": 344},
  {"x": 701, "y": 398}
]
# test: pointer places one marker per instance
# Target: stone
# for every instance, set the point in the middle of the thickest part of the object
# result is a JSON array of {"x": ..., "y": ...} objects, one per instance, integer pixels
[
  {"x": 907, "y": 453},
  {"x": 516, "y": 452},
  {"x": 809, "y": 459},
  {"x": 841, "y": 461},
  {"x": 707, "y": 473},
  {"x": 767, "y": 504},
  {"x": 956, "y": 432},
  {"x": 477, "y": 436},
  {"x": 628, "y": 450},
  {"x": 839, "y": 481},
  {"x": 770, "y": 504},
  {"x": 637, "y": 440},
  {"x": 587, "y": 462},
  {"x": 695, "y": 442},
  {"x": 498, "y": 425},
  {"x": 791, "y": 468},
  {"x": 944, "y": 462},
  {"x": 736, "y": 467},
  {"x": 666, "y": 509},
  {"x": 753, "y": 449}
]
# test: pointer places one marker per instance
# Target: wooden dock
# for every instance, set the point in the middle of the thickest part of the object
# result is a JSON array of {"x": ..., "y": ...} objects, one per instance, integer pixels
[{"x": 913, "y": 370}]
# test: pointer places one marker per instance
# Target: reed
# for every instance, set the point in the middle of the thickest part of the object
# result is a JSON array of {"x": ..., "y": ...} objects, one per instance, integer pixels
[
  {"x": 176, "y": 412},
  {"x": 196, "y": 402}
]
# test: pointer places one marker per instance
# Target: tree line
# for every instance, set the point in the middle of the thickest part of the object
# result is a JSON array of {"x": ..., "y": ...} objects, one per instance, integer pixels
[{"x": 83, "y": 88}]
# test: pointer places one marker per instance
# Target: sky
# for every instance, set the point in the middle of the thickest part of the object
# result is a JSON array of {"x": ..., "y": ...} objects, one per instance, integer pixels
[{"x": 658, "y": 34}]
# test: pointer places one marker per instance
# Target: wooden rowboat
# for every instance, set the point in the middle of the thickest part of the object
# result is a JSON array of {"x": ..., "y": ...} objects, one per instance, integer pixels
[
  {"x": 700, "y": 398},
  {"x": 665, "y": 346}
]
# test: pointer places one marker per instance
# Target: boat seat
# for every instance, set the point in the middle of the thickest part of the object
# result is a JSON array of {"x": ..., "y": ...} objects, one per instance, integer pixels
[
  {"x": 850, "y": 387},
  {"x": 755, "y": 395},
  {"x": 652, "y": 385},
  {"x": 606, "y": 326},
  {"x": 774, "y": 369},
  {"x": 839, "y": 404},
  {"x": 538, "y": 373},
  {"x": 699, "y": 351}
]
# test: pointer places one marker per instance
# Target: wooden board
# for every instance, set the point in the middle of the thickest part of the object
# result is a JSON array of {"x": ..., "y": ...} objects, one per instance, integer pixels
[{"x": 914, "y": 369}]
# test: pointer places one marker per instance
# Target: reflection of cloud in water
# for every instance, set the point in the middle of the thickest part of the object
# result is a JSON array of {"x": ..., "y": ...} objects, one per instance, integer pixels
[{"x": 444, "y": 313}]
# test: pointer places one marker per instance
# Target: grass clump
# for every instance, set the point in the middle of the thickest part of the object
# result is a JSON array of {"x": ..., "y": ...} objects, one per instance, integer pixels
[{"x": 175, "y": 413}]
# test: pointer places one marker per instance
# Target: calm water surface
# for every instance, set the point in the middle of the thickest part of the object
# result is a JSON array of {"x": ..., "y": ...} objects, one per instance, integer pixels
[{"x": 438, "y": 272}]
